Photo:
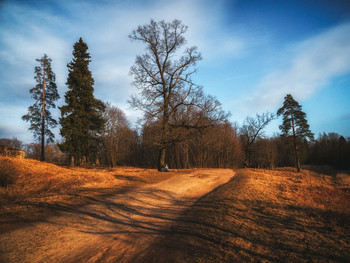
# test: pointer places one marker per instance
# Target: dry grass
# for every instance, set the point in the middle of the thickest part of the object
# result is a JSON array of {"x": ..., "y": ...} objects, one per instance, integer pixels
[
  {"x": 343, "y": 179},
  {"x": 259, "y": 216},
  {"x": 8, "y": 172},
  {"x": 37, "y": 187},
  {"x": 265, "y": 216}
]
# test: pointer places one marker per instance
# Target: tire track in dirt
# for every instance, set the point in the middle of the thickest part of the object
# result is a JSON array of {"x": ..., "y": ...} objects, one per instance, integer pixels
[{"x": 113, "y": 229}]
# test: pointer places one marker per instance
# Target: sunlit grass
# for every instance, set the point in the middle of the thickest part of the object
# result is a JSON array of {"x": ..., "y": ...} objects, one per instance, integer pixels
[
  {"x": 266, "y": 216},
  {"x": 36, "y": 186},
  {"x": 259, "y": 216}
]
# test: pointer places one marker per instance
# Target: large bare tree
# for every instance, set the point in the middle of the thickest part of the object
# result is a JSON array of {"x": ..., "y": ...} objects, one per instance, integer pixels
[{"x": 166, "y": 91}]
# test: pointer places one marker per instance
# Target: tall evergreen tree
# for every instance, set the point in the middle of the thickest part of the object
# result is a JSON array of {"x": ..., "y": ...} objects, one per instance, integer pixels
[
  {"x": 45, "y": 94},
  {"x": 294, "y": 124},
  {"x": 81, "y": 117}
]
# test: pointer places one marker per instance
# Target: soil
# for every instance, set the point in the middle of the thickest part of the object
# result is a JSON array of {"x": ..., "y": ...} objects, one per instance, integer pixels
[{"x": 118, "y": 228}]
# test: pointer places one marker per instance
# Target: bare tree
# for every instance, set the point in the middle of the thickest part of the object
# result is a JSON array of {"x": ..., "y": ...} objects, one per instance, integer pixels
[
  {"x": 264, "y": 154},
  {"x": 216, "y": 146},
  {"x": 116, "y": 129},
  {"x": 253, "y": 128},
  {"x": 14, "y": 143},
  {"x": 167, "y": 92}
]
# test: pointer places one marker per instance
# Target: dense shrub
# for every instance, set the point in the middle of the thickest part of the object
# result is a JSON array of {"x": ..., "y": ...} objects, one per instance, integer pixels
[{"x": 8, "y": 172}]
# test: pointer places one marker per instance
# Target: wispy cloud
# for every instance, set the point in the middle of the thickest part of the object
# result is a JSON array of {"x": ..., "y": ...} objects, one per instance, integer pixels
[
  {"x": 29, "y": 30},
  {"x": 312, "y": 65}
]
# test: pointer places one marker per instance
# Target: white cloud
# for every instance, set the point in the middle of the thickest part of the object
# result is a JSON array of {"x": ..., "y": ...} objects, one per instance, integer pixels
[
  {"x": 105, "y": 27},
  {"x": 313, "y": 64},
  {"x": 32, "y": 29}
]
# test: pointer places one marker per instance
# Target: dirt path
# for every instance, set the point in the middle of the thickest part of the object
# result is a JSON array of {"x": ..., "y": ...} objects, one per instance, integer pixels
[{"x": 117, "y": 229}]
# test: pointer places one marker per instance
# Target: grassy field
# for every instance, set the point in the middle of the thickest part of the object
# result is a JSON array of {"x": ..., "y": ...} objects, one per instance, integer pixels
[
  {"x": 265, "y": 216},
  {"x": 259, "y": 216},
  {"x": 31, "y": 189}
]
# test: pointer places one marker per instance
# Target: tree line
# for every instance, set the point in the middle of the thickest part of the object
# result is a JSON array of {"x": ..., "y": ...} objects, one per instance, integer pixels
[{"x": 181, "y": 126}]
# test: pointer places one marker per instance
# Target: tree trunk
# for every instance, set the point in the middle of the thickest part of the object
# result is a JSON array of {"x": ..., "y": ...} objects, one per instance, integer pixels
[
  {"x": 42, "y": 156},
  {"x": 295, "y": 145},
  {"x": 114, "y": 152},
  {"x": 71, "y": 161},
  {"x": 178, "y": 157},
  {"x": 165, "y": 131},
  {"x": 161, "y": 160},
  {"x": 247, "y": 161}
]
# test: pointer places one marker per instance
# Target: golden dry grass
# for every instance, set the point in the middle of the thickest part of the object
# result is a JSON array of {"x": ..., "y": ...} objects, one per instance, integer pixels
[
  {"x": 265, "y": 216},
  {"x": 39, "y": 186},
  {"x": 259, "y": 216}
]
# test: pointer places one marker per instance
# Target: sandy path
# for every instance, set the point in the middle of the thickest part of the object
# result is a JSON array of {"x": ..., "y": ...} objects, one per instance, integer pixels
[{"x": 111, "y": 230}]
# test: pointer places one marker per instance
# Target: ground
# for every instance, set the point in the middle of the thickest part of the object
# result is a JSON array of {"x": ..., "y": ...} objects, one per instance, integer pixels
[
  {"x": 114, "y": 228},
  {"x": 200, "y": 215},
  {"x": 263, "y": 216}
]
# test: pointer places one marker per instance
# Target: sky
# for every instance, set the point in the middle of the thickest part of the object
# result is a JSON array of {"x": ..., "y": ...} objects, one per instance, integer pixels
[{"x": 254, "y": 53}]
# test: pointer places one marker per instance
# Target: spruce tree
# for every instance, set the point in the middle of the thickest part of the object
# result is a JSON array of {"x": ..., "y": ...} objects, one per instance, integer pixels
[
  {"x": 294, "y": 125},
  {"x": 81, "y": 118},
  {"x": 45, "y": 94}
]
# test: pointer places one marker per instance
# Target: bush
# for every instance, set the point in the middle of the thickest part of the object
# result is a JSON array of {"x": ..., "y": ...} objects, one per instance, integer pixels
[{"x": 8, "y": 172}]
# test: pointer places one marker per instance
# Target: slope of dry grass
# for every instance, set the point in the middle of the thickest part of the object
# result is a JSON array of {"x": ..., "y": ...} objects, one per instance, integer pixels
[
  {"x": 259, "y": 216},
  {"x": 264, "y": 216},
  {"x": 39, "y": 186}
]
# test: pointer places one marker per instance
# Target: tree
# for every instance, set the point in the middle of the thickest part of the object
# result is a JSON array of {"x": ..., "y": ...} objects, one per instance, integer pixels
[
  {"x": 81, "y": 118},
  {"x": 217, "y": 146},
  {"x": 115, "y": 133},
  {"x": 167, "y": 93},
  {"x": 253, "y": 128},
  {"x": 13, "y": 143},
  {"x": 53, "y": 153},
  {"x": 330, "y": 149},
  {"x": 45, "y": 94},
  {"x": 294, "y": 124},
  {"x": 265, "y": 153}
]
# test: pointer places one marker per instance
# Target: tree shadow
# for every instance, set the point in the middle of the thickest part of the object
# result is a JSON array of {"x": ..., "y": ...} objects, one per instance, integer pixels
[
  {"x": 129, "y": 178},
  {"x": 321, "y": 169},
  {"x": 219, "y": 230},
  {"x": 216, "y": 228}
]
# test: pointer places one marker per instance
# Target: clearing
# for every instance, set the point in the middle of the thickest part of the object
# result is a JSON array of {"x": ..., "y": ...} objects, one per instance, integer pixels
[
  {"x": 114, "y": 228},
  {"x": 54, "y": 214}
]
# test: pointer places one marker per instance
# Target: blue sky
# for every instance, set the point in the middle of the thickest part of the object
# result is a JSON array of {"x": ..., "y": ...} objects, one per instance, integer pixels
[{"x": 254, "y": 53}]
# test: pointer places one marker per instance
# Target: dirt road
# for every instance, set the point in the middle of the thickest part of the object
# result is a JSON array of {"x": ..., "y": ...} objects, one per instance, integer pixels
[{"x": 117, "y": 229}]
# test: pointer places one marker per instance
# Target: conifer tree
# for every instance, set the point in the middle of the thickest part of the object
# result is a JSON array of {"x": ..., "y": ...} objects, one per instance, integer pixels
[
  {"x": 81, "y": 117},
  {"x": 45, "y": 94},
  {"x": 294, "y": 124}
]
